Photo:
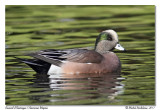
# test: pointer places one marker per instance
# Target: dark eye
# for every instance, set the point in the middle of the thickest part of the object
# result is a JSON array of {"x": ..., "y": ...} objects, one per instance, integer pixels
[{"x": 109, "y": 38}]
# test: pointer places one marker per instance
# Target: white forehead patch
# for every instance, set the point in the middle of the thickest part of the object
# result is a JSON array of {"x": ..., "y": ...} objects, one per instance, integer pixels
[{"x": 113, "y": 33}]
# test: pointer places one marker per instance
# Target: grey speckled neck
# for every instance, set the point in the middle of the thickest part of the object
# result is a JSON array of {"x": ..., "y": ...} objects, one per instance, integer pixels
[{"x": 105, "y": 46}]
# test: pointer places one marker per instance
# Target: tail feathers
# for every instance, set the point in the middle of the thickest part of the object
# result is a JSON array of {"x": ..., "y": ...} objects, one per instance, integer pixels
[{"x": 39, "y": 66}]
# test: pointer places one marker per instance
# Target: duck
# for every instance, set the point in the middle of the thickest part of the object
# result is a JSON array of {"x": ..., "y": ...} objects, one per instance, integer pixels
[{"x": 101, "y": 59}]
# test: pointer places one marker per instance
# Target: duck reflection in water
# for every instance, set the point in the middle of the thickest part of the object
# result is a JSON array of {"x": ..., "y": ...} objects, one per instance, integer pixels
[{"x": 73, "y": 87}]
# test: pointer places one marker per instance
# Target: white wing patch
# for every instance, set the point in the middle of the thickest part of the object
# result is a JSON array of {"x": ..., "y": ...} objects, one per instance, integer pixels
[{"x": 54, "y": 70}]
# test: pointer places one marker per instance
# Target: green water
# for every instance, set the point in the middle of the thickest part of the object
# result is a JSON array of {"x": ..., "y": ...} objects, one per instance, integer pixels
[{"x": 32, "y": 28}]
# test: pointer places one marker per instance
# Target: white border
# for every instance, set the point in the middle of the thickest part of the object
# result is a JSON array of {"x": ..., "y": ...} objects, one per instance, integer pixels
[
  {"x": 2, "y": 56},
  {"x": 80, "y": 2},
  {"x": 77, "y": 2}
]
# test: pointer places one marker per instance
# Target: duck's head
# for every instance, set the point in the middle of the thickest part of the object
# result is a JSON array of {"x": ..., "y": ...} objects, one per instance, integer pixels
[{"x": 107, "y": 41}]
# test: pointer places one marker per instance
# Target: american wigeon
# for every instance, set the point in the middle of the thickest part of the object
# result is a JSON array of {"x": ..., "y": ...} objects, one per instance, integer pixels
[{"x": 74, "y": 61}]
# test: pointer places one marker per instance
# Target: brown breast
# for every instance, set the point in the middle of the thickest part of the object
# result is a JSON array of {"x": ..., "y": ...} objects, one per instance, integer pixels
[{"x": 110, "y": 63}]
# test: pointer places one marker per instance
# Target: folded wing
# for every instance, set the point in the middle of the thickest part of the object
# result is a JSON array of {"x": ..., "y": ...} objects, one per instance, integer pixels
[{"x": 57, "y": 57}]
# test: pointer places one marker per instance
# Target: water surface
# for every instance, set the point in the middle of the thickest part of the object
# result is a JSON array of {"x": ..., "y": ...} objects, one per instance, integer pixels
[{"x": 33, "y": 28}]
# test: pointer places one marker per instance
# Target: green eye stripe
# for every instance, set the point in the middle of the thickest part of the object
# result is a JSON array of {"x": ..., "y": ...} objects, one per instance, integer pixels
[{"x": 104, "y": 36}]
